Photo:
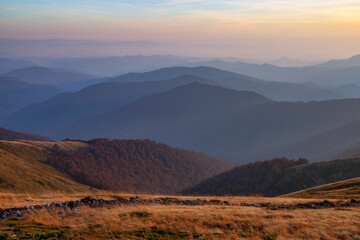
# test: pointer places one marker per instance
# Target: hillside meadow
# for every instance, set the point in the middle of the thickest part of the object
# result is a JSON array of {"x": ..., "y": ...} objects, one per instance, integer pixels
[{"x": 141, "y": 221}]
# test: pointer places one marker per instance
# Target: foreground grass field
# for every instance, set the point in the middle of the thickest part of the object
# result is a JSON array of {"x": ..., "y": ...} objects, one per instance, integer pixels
[{"x": 183, "y": 222}]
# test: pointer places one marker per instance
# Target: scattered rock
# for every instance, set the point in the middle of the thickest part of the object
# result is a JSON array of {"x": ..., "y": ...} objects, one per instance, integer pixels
[{"x": 20, "y": 213}]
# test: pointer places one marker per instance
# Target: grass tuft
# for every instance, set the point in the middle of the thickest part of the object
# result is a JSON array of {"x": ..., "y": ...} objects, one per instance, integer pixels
[
  {"x": 269, "y": 236},
  {"x": 139, "y": 214}
]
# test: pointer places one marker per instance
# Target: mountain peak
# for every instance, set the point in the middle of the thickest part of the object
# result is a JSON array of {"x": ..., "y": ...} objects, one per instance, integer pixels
[
  {"x": 353, "y": 61},
  {"x": 31, "y": 69},
  {"x": 356, "y": 57}
]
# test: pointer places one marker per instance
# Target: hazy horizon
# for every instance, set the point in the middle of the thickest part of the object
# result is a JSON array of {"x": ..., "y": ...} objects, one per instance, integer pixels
[
  {"x": 71, "y": 48},
  {"x": 262, "y": 29}
]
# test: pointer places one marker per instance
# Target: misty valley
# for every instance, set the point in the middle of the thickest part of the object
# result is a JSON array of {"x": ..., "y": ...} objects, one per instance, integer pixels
[{"x": 212, "y": 135}]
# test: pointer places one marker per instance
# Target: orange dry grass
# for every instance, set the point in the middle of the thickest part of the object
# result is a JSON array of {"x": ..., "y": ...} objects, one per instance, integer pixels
[{"x": 217, "y": 222}]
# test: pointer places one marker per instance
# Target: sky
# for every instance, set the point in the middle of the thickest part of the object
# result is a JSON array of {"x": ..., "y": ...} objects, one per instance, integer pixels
[{"x": 258, "y": 29}]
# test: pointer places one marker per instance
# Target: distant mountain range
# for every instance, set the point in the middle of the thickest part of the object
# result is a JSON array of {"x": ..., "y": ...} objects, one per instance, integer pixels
[
  {"x": 288, "y": 62},
  {"x": 239, "y": 125},
  {"x": 242, "y": 126},
  {"x": 274, "y": 90},
  {"x": 218, "y": 112},
  {"x": 16, "y": 94},
  {"x": 7, "y": 65},
  {"x": 112, "y": 66},
  {"x": 318, "y": 74},
  {"x": 63, "y": 78},
  {"x": 342, "y": 63},
  {"x": 52, "y": 116},
  {"x": 176, "y": 116},
  {"x": 333, "y": 72}
]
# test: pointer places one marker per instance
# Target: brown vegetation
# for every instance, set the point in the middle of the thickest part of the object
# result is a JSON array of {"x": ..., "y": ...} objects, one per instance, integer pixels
[
  {"x": 261, "y": 177},
  {"x": 277, "y": 177},
  {"x": 202, "y": 222},
  {"x": 136, "y": 166}
]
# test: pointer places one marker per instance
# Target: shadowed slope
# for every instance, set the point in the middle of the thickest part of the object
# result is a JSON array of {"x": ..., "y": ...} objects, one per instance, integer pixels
[
  {"x": 16, "y": 94},
  {"x": 277, "y": 176},
  {"x": 50, "y": 117},
  {"x": 176, "y": 117}
]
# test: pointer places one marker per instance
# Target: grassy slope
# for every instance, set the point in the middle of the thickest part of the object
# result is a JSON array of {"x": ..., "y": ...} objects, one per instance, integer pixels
[
  {"x": 319, "y": 173},
  {"x": 22, "y": 169},
  {"x": 6, "y": 134},
  {"x": 342, "y": 189}
]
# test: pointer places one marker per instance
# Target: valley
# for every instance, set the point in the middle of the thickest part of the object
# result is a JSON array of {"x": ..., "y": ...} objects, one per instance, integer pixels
[{"x": 178, "y": 152}]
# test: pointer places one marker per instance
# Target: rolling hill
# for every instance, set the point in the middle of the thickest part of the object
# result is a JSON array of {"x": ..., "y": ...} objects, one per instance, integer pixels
[
  {"x": 337, "y": 142},
  {"x": 16, "y": 94},
  {"x": 11, "y": 135},
  {"x": 140, "y": 166},
  {"x": 277, "y": 177},
  {"x": 23, "y": 169},
  {"x": 178, "y": 116},
  {"x": 7, "y": 65},
  {"x": 286, "y": 129},
  {"x": 52, "y": 116},
  {"x": 172, "y": 72},
  {"x": 350, "y": 90},
  {"x": 133, "y": 166},
  {"x": 279, "y": 91},
  {"x": 343, "y": 189}
]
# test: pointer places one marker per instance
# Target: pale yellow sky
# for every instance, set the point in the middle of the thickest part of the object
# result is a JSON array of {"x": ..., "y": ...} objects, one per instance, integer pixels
[{"x": 253, "y": 29}]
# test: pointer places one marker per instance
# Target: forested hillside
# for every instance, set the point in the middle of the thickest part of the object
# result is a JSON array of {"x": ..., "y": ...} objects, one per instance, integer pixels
[
  {"x": 276, "y": 177},
  {"x": 140, "y": 166}
]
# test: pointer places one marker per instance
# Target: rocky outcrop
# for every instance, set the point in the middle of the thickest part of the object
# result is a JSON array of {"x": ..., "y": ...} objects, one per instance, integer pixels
[{"x": 20, "y": 213}]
